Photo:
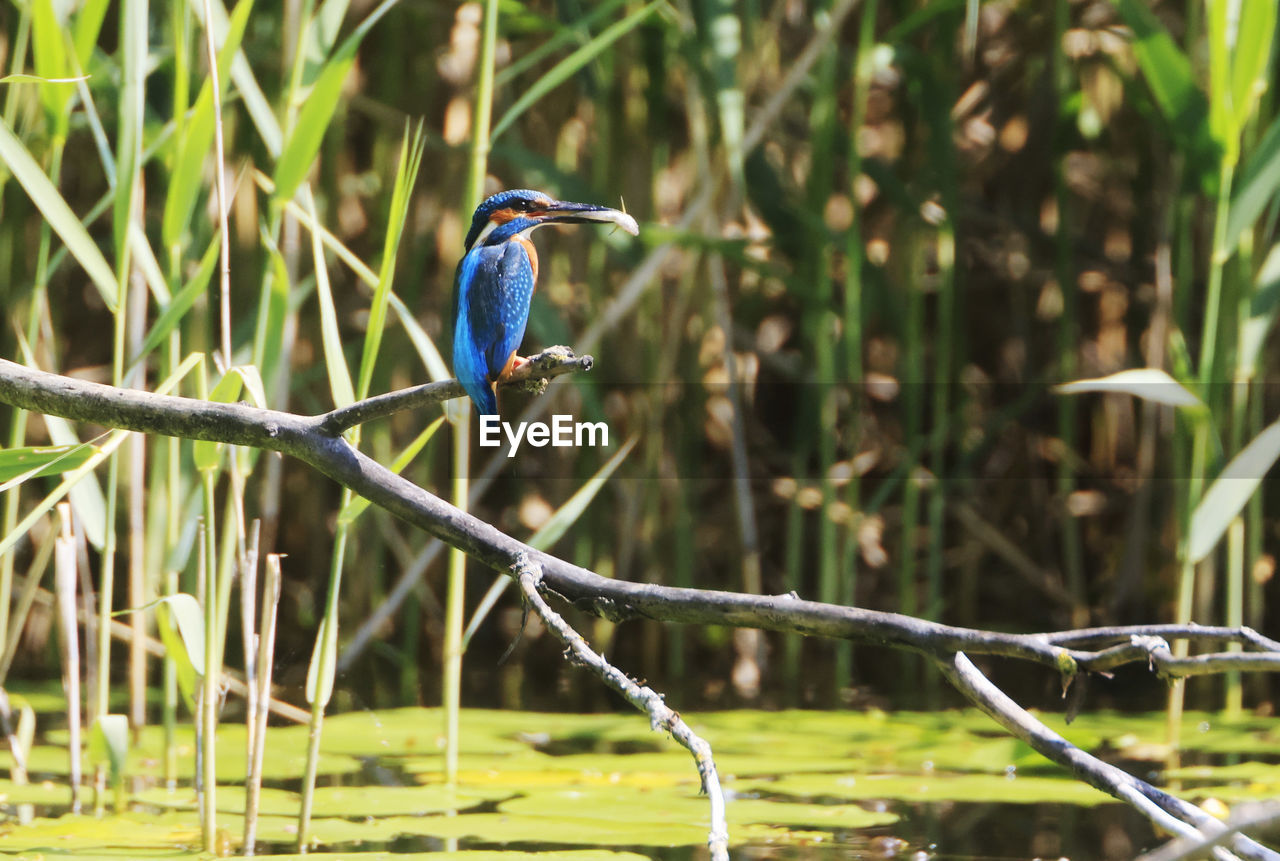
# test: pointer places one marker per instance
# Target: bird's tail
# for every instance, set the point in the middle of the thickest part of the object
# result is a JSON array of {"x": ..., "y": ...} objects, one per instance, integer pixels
[{"x": 482, "y": 396}]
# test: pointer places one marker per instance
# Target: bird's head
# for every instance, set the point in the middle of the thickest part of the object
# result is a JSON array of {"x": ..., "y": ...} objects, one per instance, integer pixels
[{"x": 524, "y": 209}]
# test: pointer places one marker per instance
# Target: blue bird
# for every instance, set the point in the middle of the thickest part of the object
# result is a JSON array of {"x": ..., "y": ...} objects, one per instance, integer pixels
[{"x": 496, "y": 279}]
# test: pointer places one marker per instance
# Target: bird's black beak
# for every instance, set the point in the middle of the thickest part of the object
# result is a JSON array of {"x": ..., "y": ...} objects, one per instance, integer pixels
[{"x": 566, "y": 212}]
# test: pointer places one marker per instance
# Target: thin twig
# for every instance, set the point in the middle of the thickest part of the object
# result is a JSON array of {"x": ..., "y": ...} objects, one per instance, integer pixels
[{"x": 661, "y": 716}]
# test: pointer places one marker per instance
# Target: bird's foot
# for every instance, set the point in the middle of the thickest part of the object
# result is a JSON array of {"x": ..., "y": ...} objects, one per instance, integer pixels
[
  {"x": 518, "y": 372},
  {"x": 514, "y": 363},
  {"x": 532, "y": 374}
]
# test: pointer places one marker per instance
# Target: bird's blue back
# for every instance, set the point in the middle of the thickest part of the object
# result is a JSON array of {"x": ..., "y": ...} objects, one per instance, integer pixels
[{"x": 492, "y": 291}]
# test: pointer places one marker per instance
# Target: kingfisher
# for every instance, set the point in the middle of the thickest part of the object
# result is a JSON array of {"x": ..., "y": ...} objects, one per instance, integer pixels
[{"x": 496, "y": 279}]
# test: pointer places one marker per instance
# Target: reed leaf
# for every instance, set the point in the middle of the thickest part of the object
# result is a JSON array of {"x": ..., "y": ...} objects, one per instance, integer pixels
[
  {"x": 21, "y": 464},
  {"x": 1230, "y": 491},
  {"x": 1250, "y": 55},
  {"x": 334, "y": 360},
  {"x": 49, "y": 48},
  {"x": 1258, "y": 184},
  {"x": 300, "y": 149},
  {"x": 1263, "y": 306},
  {"x": 58, "y": 214},
  {"x": 570, "y": 65},
  {"x": 180, "y": 304},
  {"x": 181, "y": 624},
  {"x": 86, "y": 27},
  {"x": 109, "y": 744},
  {"x": 36, "y": 79},
  {"x": 186, "y": 177},
  {"x": 1169, "y": 74},
  {"x": 132, "y": 108},
  {"x": 401, "y": 195},
  {"x": 1152, "y": 384},
  {"x": 324, "y": 654},
  {"x": 321, "y": 34}
]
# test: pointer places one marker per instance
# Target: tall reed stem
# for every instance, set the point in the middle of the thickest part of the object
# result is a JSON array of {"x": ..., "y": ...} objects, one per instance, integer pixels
[{"x": 456, "y": 598}]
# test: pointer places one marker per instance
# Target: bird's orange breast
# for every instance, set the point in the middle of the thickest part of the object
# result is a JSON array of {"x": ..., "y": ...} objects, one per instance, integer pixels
[{"x": 533, "y": 257}]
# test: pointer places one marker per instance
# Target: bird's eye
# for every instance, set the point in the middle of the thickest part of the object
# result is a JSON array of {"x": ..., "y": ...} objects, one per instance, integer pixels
[{"x": 520, "y": 205}]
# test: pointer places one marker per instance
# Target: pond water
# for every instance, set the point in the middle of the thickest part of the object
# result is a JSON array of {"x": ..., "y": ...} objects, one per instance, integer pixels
[{"x": 800, "y": 785}]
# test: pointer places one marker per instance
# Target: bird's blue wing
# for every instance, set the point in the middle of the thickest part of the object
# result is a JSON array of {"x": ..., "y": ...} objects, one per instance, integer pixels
[
  {"x": 499, "y": 312},
  {"x": 492, "y": 291},
  {"x": 469, "y": 364}
]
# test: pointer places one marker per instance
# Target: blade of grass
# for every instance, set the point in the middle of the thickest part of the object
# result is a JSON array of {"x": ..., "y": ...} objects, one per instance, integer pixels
[
  {"x": 181, "y": 626},
  {"x": 575, "y": 31},
  {"x": 87, "y": 27},
  {"x": 1152, "y": 384},
  {"x": 334, "y": 359},
  {"x": 20, "y": 464},
  {"x": 1250, "y": 54},
  {"x": 406, "y": 175},
  {"x": 1230, "y": 491},
  {"x": 300, "y": 149},
  {"x": 1263, "y": 307},
  {"x": 132, "y": 107},
  {"x": 1169, "y": 74},
  {"x": 1259, "y": 182},
  {"x": 319, "y": 37},
  {"x": 186, "y": 177},
  {"x": 58, "y": 214},
  {"x": 49, "y": 49},
  {"x": 180, "y": 304}
]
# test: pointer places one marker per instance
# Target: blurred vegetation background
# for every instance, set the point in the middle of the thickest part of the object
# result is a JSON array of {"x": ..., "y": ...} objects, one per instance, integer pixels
[{"x": 874, "y": 235}]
